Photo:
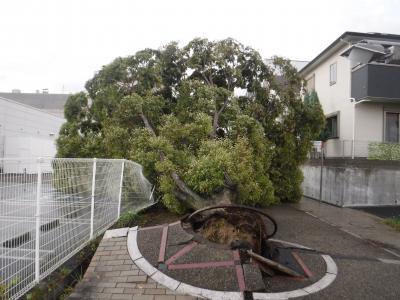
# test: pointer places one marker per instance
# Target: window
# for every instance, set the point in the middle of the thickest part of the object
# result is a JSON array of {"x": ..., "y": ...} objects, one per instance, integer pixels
[
  {"x": 332, "y": 73},
  {"x": 311, "y": 84},
  {"x": 332, "y": 127},
  {"x": 392, "y": 127}
]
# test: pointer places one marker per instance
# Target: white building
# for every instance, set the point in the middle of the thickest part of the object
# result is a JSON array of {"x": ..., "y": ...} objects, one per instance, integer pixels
[
  {"x": 357, "y": 79},
  {"x": 26, "y": 132}
]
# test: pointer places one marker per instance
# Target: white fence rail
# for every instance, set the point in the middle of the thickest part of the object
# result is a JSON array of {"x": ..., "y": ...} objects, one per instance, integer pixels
[
  {"x": 336, "y": 148},
  {"x": 50, "y": 209}
]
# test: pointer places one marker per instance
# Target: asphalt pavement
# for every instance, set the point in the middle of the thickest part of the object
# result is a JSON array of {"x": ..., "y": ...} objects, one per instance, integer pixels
[
  {"x": 365, "y": 269},
  {"x": 382, "y": 211}
]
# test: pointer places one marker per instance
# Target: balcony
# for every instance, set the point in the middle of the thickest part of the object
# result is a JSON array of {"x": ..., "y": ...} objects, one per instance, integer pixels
[{"x": 376, "y": 82}]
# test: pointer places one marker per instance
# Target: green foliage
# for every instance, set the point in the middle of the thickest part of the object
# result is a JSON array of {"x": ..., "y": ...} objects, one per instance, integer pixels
[
  {"x": 6, "y": 286},
  {"x": 311, "y": 101},
  {"x": 127, "y": 219},
  {"x": 384, "y": 151},
  {"x": 177, "y": 112},
  {"x": 393, "y": 222}
]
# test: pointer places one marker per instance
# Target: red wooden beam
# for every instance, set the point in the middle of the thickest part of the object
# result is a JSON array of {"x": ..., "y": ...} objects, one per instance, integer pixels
[{"x": 163, "y": 245}]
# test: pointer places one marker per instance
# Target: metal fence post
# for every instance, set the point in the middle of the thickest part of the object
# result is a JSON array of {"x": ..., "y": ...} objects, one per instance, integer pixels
[
  {"x": 92, "y": 199},
  {"x": 37, "y": 220},
  {"x": 322, "y": 172},
  {"x": 120, "y": 188}
]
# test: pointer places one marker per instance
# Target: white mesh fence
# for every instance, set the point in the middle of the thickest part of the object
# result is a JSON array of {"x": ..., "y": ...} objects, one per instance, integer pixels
[{"x": 50, "y": 209}]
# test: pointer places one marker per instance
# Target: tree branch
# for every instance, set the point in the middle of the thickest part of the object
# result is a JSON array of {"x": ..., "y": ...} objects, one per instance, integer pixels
[
  {"x": 198, "y": 201},
  {"x": 206, "y": 79},
  {"x": 216, "y": 117},
  {"x": 147, "y": 123}
]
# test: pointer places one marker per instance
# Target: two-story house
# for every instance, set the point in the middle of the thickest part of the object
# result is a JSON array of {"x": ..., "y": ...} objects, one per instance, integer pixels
[{"x": 357, "y": 79}]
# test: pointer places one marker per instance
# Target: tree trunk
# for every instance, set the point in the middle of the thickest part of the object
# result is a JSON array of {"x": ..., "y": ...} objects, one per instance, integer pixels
[
  {"x": 186, "y": 194},
  {"x": 147, "y": 123}
]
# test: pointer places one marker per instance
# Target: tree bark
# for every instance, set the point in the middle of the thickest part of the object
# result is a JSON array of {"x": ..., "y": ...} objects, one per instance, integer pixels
[
  {"x": 147, "y": 123},
  {"x": 217, "y": 113}
]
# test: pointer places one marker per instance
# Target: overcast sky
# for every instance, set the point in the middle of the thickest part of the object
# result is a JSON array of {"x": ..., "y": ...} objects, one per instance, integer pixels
[{"x": 59, "y": 44}]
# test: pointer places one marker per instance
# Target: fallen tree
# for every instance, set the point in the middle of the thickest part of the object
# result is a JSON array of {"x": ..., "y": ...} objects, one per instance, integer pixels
[{"x": 210, "y": 122}]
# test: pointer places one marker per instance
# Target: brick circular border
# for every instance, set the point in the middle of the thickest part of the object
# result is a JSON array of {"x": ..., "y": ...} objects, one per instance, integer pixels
[{"x": 183, "y": 288}]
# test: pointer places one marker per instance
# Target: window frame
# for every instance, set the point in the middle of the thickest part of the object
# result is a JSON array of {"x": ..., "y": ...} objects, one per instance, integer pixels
[
  {"x": 332, "y": 115},
  {"x": 332, "y": 81},
  {"x": 385, "y": 112}
]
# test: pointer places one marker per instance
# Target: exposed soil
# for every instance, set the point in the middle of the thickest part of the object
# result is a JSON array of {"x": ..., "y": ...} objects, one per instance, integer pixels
[
  {"x": 232, "y": 227},
  {"x": 157, "y": 215}
]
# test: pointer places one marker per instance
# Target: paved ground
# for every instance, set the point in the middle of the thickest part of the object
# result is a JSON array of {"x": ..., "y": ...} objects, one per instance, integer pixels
[
  {"x": 365, "y": 269},
  {"x": 382, "y": 211},
  {"x": 362, "y": 224},
  {"x": 113, "y": 275},
  {"x": 191, "y": 260},
  {"x": 360, "y": 275}
]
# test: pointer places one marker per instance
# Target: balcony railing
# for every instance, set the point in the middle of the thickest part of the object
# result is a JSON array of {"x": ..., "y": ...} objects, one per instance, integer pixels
[
  {"x": 376, "y": 82},
  {"x": 335, "y": 148}
]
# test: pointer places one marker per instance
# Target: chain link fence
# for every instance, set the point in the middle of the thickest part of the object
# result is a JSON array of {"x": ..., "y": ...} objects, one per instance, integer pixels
[{"x": 51, "y": 208}]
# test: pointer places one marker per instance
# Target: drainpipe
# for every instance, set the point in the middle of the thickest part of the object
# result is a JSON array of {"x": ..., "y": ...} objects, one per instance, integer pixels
[{"x": 352, "y": 100}]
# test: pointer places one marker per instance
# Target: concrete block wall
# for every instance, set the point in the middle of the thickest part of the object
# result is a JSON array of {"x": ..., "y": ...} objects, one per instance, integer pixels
[{"x": 353, "y": 182}]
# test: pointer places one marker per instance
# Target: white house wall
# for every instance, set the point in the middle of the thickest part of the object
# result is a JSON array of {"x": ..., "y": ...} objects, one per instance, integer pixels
[{"x": 336, "y": 97}]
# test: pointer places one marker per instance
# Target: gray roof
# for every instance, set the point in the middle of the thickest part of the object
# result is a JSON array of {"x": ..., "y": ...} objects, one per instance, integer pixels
[
  {"x": 37, "y": 100},
  {"x": 346, "y": 38}
]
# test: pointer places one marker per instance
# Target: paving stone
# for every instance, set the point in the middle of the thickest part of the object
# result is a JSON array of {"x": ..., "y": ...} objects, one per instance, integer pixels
[
  {"x": 130, "y": 273},
  {"x": 121, "y": 297},
  {"x": 94, "y": 289},
  {"x": 112, "y": 248},
  {"x": 143, "y": 297},
  {"x": 103, "y": 269},
  {"x": 184, "y": 297},
  {"x": 109, "y": 257},
  {"x": 115, "y": 262},
  {"x": 133, "y": 291},
  {"x": 147, "y": 285},
  {"x": 118, "y": 279},
  {"x": 99, "y": 296},
  {"x": 122, "y": 268},
  {"x": 154, "y": 291},
  {"x": 126, "y": 285},
  {"x": 112, "y": 274},
  {"x": 105, "y": 284},
  {"x": 103, "y": 253},
  {"x": 114, "y": 290},
  {"x": 164, "y": 297},
  {"x": 120, "y": 252},
  {"x": 137, "y": 278}
]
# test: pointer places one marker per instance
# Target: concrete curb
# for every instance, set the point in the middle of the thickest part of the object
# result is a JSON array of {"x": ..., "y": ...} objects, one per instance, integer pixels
[
  {"x": 183, "y": 288},
  {"x": 116, "y": 233}
]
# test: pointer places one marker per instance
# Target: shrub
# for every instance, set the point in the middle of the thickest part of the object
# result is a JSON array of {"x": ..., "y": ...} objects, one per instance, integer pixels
[{"x": 384, "y": 151}]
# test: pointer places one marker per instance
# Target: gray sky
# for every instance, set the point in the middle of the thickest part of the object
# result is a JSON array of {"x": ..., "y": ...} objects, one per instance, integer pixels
[{"x": 61, "y": 43}]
